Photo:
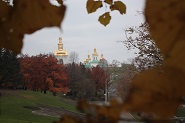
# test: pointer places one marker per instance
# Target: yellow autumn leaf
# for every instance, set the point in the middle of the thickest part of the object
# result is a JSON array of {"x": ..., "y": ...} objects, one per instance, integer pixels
[
  {"x": 108, "y": 2},
  {"x": 120, "y": 6},
  {"x": 92, "y": 5},
  {"x": 105, "y": 18},
  {"x": 26, "y": 17},
  {"x": 157, "y": 92}
]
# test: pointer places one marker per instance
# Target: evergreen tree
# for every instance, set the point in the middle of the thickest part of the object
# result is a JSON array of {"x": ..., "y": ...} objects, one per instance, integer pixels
[{"x": 10, "y": 75}]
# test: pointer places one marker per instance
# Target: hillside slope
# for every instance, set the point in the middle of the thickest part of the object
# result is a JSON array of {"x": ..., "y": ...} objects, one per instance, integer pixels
[{"x": 17, "y": 106}]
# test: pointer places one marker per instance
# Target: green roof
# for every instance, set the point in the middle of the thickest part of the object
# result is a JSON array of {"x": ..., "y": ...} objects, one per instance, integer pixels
[
  {"x": 87, "y": 65},
  {"x": 95, "y": 61}
]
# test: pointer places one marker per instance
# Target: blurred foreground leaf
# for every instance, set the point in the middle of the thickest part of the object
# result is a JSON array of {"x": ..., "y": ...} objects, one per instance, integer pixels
[
  {"x": 155, "y": 91},
  {"x": 158, "y": 92},
  {"x": 26, "y": 17}
]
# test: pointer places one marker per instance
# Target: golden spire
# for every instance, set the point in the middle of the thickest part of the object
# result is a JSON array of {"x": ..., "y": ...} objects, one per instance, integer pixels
[
  {"x": 89, "y": 56},
  {"x": 60, "y": 51},
  {"x": 60, "y": 39},
  {"x": 60, "y": 44}
]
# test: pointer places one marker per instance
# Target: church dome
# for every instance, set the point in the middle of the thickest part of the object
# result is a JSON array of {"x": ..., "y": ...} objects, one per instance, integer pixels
[{"x": 95, "y": 52}]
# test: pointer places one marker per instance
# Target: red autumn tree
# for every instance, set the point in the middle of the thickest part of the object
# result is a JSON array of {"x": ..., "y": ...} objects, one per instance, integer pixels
[
  {"x": 25, "y": 63},
  {"x": 42, "y": 73},
  {"x": 99, "y": 76}
]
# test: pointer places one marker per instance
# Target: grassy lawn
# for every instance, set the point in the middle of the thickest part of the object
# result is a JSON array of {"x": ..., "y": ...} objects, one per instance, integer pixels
[{"x": 12, "y": 104}]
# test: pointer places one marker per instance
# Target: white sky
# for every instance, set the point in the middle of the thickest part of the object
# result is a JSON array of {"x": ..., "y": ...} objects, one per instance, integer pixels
[{"x": 81, "y": 32}]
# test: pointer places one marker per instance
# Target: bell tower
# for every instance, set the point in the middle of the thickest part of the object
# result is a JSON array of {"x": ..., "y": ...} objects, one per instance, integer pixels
[{"x": 61, "y": 54}]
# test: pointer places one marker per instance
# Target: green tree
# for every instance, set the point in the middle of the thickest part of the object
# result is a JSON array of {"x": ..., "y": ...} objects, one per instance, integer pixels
[
  {"x": 10, "y": 75},
  {"x": 74, "y": 76}
]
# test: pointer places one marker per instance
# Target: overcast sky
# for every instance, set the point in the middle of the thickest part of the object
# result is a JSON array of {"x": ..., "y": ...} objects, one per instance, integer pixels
[{"x": 81, "y": 32}]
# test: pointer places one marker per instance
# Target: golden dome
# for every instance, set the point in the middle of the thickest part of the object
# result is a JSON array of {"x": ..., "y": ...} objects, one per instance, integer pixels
[{"x": 95, "y": 52}]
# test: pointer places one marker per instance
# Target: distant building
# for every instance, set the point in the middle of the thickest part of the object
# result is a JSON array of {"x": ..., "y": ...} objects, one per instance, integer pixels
[
  {"x": 61, "y": 54},
  {"x": 95, "y": 61}
]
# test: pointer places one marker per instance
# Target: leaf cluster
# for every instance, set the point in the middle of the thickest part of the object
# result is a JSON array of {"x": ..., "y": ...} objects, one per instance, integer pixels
[{"x": 93, "y": 5}]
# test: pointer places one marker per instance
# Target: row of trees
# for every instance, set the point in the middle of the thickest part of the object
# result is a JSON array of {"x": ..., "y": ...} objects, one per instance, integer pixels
[{"x": 42, "y": 73}]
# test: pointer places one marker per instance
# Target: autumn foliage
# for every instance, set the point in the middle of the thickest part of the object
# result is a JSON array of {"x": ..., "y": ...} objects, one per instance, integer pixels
[
  {"x": 158, "y": 91},
  {"x": 99, "y": 76},
  {"x": 42, "y": 73}
]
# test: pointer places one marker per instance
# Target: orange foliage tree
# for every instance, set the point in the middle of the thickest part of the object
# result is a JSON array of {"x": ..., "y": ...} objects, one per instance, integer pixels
[{"x": 42, "y": 73}]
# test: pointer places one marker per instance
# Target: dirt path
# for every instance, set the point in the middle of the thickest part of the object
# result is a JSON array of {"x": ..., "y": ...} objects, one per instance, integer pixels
[{"x": 55, "y": 112}]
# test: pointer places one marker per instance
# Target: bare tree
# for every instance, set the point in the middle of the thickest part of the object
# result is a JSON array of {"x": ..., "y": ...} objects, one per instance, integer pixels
[
  {"x": 139, "y": 38},
  {"x": 73, "y": 57},
  {"x": 123, "y": 85}
]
